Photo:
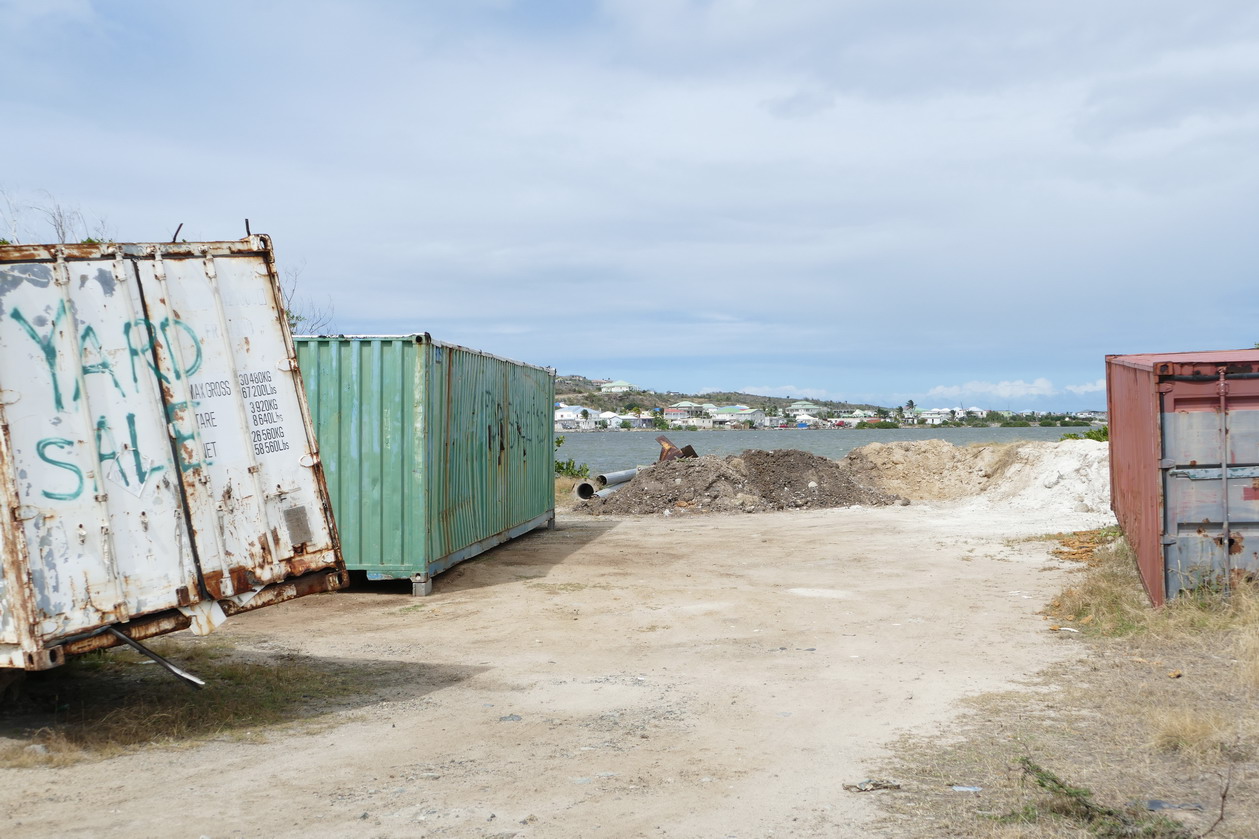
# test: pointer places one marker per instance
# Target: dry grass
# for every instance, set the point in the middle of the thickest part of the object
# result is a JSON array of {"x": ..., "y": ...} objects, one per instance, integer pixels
[
  {"x": 1201, "y": 734},
  {"x": 564, "y": 497},
  {"x": 1165, "y": 706},
  {"x": 115, "y": 701},
  {"x": 1112, "y": 600},
  {"x": 1247, "y": 651}
]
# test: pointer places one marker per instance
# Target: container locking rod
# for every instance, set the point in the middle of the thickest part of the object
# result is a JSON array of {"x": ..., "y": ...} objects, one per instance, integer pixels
[
  {"x": 188, "y": 678},
  {"x": 1222, "y": 387}
]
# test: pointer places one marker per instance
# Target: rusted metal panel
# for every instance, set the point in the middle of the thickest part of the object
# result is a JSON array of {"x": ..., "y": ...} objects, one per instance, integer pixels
[
  {"x": 434, "y": 452},
  {"x": 1184, "y": 431},
  {"x": 156, "y": 449}
]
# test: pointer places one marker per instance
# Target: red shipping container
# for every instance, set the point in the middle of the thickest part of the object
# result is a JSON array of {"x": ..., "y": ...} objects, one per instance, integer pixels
[{"x": 1184, "y": 465}]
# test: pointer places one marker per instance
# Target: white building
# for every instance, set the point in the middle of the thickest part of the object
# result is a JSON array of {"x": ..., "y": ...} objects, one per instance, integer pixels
[
  {"x": 617, "y": 387},
  {"x": 935, "y": 416},
  {"x": 574, "y": 418}
]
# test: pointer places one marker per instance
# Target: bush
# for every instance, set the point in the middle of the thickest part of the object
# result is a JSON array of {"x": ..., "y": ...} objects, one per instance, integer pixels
[
  {"x": 1101, "y": 435},
  {"x": 569, "y": 468}
]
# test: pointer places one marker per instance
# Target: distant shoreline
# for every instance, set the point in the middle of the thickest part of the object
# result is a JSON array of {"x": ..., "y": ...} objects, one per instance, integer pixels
[{"x": 1094, "y": 424}]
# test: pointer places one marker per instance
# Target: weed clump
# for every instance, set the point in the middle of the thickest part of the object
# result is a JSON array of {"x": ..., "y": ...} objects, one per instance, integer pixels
[{"x": 1078, "y": 804}]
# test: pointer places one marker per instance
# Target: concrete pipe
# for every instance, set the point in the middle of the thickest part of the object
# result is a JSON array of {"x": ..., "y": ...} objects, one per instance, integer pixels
[{"x": 612, "y": 478}]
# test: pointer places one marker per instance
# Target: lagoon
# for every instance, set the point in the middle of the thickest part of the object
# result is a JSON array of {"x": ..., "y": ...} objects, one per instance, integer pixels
[{"x": 607, "y": 451}]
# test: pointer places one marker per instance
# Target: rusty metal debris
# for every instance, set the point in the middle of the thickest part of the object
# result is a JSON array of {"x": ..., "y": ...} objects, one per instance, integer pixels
[
  {"x": 188, "y": 678},
  {"x": 871, "y": 785},
  {"x": 668, "y": 451}
]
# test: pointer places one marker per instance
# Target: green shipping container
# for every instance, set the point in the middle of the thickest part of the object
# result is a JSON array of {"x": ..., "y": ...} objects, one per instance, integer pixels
[{"x": 433, "y": 453}]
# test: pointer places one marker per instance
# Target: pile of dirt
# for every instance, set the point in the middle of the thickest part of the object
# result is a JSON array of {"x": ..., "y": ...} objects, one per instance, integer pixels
[
  {"x": 1072, "y": 475},
  {"x": 755, "y": 481}
]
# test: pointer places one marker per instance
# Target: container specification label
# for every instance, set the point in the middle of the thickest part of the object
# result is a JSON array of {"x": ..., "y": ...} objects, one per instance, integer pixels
[
  {"x": 266, "y": 430},
  {"x": 205, "y": 395}
]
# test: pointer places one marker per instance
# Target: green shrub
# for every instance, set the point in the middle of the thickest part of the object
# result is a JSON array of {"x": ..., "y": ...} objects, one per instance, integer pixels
[
  {"x": 569, "y": 468},
  {"x": 1101, "y": 435}
]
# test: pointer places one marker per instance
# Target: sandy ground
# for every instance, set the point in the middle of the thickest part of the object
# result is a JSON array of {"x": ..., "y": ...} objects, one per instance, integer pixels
[{"x": 717, "y": 676}]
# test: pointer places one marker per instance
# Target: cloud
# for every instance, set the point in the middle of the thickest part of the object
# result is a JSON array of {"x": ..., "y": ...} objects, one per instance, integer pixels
[
  {"x": 1003, "y": 390},
  {"x": 679, "y": 192},
  {"x": 790, "y": 391},
  {"x": 1091, "y": 387}
]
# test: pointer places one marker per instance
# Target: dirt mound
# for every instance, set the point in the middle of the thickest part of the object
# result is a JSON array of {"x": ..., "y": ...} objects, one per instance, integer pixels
[
  {"x": 754, "y": 481},
  {"x": 1072, "y": 475},
  {"x": 929, "y": 469}
]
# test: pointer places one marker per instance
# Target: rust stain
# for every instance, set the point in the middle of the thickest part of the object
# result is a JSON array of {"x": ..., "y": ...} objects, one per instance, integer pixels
[
  {"x": 214, "y": 583},
  {"x": 307, "y": 563},
  {"x": 139, "y": 629},
  {"x": 1242, "y": 576},
  {"x": 37, "y": 253},
  {"x": 1236, "y": 545},
  {"x": 243, "y": 579}
]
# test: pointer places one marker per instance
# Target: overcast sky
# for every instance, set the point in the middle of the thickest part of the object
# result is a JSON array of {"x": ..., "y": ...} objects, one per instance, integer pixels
[{"x": 951, "y": 202}]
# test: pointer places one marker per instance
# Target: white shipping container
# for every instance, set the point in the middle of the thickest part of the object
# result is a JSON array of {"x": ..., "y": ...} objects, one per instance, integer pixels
[{"x": 157, "y": 463}]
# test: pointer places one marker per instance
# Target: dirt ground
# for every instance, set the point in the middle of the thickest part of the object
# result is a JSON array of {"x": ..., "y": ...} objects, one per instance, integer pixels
[{"x": 706, "y": 676}]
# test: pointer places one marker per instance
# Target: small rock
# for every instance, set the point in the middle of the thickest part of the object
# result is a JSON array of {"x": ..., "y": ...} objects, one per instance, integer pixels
[
  {"x": 36, "y": 749},
  {"x": 510, "y": 718}
]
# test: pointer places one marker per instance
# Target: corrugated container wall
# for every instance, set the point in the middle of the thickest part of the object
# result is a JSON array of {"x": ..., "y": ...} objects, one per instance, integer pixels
[
  {"x": 156, "y": 461},
  {"x": 1184, "y": 463},
  {"x": 434, "y": 453}
]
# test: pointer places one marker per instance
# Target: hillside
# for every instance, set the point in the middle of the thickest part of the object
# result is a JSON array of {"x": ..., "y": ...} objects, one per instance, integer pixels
[{"x": 579, "y": 390}]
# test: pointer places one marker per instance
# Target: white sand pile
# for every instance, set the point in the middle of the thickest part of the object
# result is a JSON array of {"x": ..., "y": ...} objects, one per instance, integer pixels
[{"x": 1071, "y": 476}]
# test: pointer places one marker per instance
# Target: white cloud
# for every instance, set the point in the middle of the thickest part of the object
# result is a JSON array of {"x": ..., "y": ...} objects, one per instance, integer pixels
[
  {"x": 789, "y": 391},
  {"x": 678, "y": 191},
  {"x": 1004, "y": 390},
  {"x": 1091, "y": 387}
]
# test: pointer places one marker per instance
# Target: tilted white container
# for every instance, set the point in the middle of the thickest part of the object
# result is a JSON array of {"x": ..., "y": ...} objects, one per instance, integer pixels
[{"x": 157, "y": 465}]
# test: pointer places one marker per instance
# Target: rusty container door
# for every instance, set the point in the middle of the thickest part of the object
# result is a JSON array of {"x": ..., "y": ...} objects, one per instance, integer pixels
[
  {"x": 1184, "y": 433},
  {"x": 434, "y": 452},
  {"x": 156, "y": 456}
]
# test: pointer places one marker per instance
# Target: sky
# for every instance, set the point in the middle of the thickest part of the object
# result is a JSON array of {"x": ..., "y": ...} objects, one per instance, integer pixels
[{"x": 963, "y": 203}]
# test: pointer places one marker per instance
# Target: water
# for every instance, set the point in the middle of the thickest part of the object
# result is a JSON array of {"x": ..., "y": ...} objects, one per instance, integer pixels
[{"x": 608, "y": 451}]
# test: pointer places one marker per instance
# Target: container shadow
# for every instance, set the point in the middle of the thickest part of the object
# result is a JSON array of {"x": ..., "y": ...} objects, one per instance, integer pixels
[
  {"x": 114, "y": 702},
  {"x": 527, "y": 557}
]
